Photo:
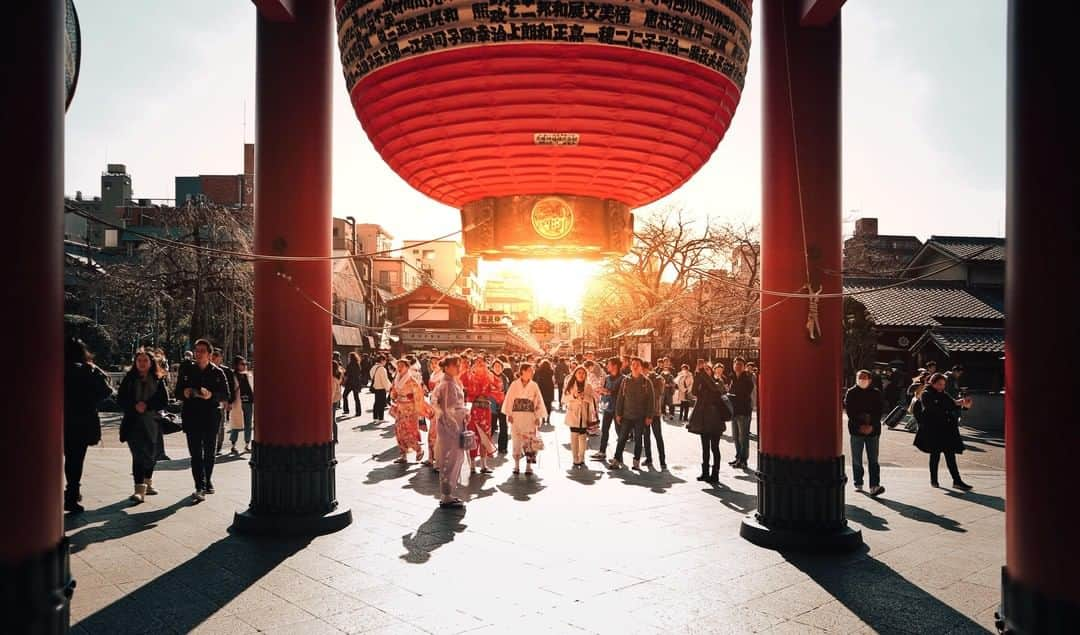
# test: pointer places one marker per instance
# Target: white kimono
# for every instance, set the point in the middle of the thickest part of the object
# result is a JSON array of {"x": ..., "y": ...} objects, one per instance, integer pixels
[{"x": 524, "y": 408}]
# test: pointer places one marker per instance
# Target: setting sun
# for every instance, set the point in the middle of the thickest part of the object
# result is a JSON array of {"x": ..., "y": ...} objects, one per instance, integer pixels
[{"x": 555, "y": 284}]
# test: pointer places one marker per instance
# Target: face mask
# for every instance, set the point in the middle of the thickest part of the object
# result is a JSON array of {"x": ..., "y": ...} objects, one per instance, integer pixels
[{"x": 864, "y": 383}]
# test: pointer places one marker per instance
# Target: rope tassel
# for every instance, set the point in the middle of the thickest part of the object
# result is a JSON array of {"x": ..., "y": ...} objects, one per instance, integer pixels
[{"x": 813, "y": 324}]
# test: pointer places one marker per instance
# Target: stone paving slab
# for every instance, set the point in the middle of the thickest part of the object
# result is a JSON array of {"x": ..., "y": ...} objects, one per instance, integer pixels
[{"x": 567, "y": 551}]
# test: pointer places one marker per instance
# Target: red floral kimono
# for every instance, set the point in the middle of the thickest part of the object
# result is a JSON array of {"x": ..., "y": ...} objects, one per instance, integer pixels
[
  {"x": 482, "y": 391},
  {"x": 409, "y": 406}
]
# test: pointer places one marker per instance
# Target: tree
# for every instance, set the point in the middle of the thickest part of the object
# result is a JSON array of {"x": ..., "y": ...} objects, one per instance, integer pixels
[
  {"x": 95, "y": 336},
  {"x": 860, "y": 340},
  {"x": 683, "y": 277},
  {"x": 170, "y": 295}
]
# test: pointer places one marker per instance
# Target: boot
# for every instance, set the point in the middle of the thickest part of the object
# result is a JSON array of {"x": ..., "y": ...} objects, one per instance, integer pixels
[
  {"x": 714, "y": 476},
  {"x": 704, "y": 472},
  {"x": 140, "y": 493},
  {"x": 71, "y": 500},
  {"x": 150, "y": 491}
]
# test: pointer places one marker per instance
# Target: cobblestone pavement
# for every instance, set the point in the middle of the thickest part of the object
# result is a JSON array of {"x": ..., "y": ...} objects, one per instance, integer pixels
[{"x": 567, "y": 551}]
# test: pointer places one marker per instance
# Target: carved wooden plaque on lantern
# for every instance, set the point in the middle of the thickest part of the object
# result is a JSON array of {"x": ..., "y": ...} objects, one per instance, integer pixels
[{"x": 545, "y": 121}]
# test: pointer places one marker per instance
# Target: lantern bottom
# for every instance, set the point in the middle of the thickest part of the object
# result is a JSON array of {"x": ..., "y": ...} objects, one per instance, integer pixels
[{"x": 547, "y": 226}]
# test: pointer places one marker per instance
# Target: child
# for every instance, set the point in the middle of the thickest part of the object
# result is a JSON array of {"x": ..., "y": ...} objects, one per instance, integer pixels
[
  {"x": 580, "y": 405},
  {"x": 448, "y": 400},
  {"x": 524, "y": 405}
]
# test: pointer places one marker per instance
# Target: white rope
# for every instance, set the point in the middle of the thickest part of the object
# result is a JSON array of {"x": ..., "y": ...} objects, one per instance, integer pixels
[{"x": 812, "y": 324}]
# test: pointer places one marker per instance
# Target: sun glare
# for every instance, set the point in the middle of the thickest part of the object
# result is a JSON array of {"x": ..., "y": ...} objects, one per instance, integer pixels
[{"x": 555, "y": 284}]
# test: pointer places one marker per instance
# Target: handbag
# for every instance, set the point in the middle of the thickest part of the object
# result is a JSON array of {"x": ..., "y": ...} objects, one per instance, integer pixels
[
  {"x": 467, "y": 440},
  {"x": 168, "y": 423}
]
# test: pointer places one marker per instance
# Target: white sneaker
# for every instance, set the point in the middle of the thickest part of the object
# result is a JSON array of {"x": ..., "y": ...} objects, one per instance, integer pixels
[
  {"x": 199, "y": 495},
  {"x": 150, "y": 491},
  {"x": 858, "y": 488}
]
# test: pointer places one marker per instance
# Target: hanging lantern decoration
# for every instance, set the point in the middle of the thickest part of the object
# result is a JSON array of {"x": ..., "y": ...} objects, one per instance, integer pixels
[{"x": 545, "y": 121}]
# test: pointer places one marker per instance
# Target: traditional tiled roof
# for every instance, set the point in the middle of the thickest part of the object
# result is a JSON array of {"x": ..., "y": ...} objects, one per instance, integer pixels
[
  {"x": 920, "y": 303},
  {"x": 965, "y": 340},
  {"x": 971, "y": 247}
]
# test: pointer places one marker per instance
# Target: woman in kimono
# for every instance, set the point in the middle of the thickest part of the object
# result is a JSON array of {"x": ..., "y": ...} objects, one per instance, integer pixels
[
  {"x": 580, "y": 404},
  {"x": 432, "y": 430},
  {"x": 408, "y": 406},
  {"x": 448, "y": 400},
  {"x": 482, "y": 389},
  {"x": 524, "y": 408}
]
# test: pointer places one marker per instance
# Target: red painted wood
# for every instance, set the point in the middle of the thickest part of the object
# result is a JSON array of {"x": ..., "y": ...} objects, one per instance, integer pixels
[
  {"x": 820, "y": 12},
  {"x": 458, "y": 125},
  {"x": 1041, "y": 434},
  {"x": 31, "y": 433},
  {"x": 292, "y": 217},
  {"x": 278, "y": 10},
  {"x": 800, "y": 379}
]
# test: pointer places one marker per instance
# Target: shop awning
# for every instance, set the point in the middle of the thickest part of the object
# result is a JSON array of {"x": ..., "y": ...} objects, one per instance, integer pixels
[{"x": 347, "y": 335}]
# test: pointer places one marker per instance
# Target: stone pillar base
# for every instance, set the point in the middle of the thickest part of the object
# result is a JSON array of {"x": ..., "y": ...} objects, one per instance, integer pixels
[
  {"x": 293, "y": 492},
  {"x": 801, "y": 506},
  {"x": 35, "y": 595},
  {"x": 1026, "y": 610}
]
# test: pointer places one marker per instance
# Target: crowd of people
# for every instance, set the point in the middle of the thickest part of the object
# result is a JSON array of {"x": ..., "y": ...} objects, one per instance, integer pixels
[
  {"x": 454, "y": 412},
  {"x": 210, "y": 396}
]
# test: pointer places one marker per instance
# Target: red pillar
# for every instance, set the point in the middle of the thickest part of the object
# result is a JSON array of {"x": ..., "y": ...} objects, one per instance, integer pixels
[
  {"x": 34, "y": 574},
  {"x": 293, "y": 481},
  {"x": 800, "y": 461},
  {"x": 1040, "y": 585}
]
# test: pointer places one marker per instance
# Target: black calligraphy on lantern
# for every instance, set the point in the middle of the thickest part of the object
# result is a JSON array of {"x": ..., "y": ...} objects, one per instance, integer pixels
[{"x": 375, "y": 33}]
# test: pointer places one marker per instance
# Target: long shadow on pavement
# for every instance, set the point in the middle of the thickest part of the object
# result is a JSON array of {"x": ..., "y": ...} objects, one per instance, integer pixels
[
  {"x": 120, "y": 522},
  {"x": 734, "y": 500},
  {"x": 866, "y": 518},
  {"x": 436, "y": 531},
  {"x": 986, "y": 500},
  {"x": 186, "y": 596},
  {"x": 920, "y": 514},
  {"x": 179, "y": 465},
  {"x": 881, "y": 597},
  {"x": 657, "y": 482},
  {"x": 522, "y": 487}
]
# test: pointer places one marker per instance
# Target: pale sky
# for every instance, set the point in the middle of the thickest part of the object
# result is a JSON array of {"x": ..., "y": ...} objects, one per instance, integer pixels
[{"x": 164, "y": 86}]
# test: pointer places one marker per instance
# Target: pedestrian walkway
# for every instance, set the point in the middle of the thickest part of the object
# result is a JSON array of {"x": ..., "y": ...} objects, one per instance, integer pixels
[{"x": 566, "y": 551}]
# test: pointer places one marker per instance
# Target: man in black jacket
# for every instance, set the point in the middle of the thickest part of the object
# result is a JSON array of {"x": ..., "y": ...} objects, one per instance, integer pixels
[
  {"x": 742, "y": 399},
  {"x": 202, "y": 388},
  {"x": 862, "y": 403}
]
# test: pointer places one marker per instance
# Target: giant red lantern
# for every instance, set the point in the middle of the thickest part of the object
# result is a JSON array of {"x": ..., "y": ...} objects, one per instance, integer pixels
[{"x": 545, "y": 121}]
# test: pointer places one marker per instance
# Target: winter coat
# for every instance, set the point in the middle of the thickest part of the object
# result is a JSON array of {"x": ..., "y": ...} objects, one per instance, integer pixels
[
  {"x": 580, "y": 406},
  {"x": 135, "y": 424},
  {"x": 636, "y": 400},
  {"x": 710, "y": 411},
  {"x": 352, "y": 375},
  {"x": 196, "y": 409},
  {"x": 742, "y": 394},
  {"x": 939, "y": 423},
  {"x": 684, "y": 383},
  {"x": 545, "y": 379},
  {"x": 85, "y": 387},
  {"x": 380, "y": 379},
  {"x": 863, "y": 405}
]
